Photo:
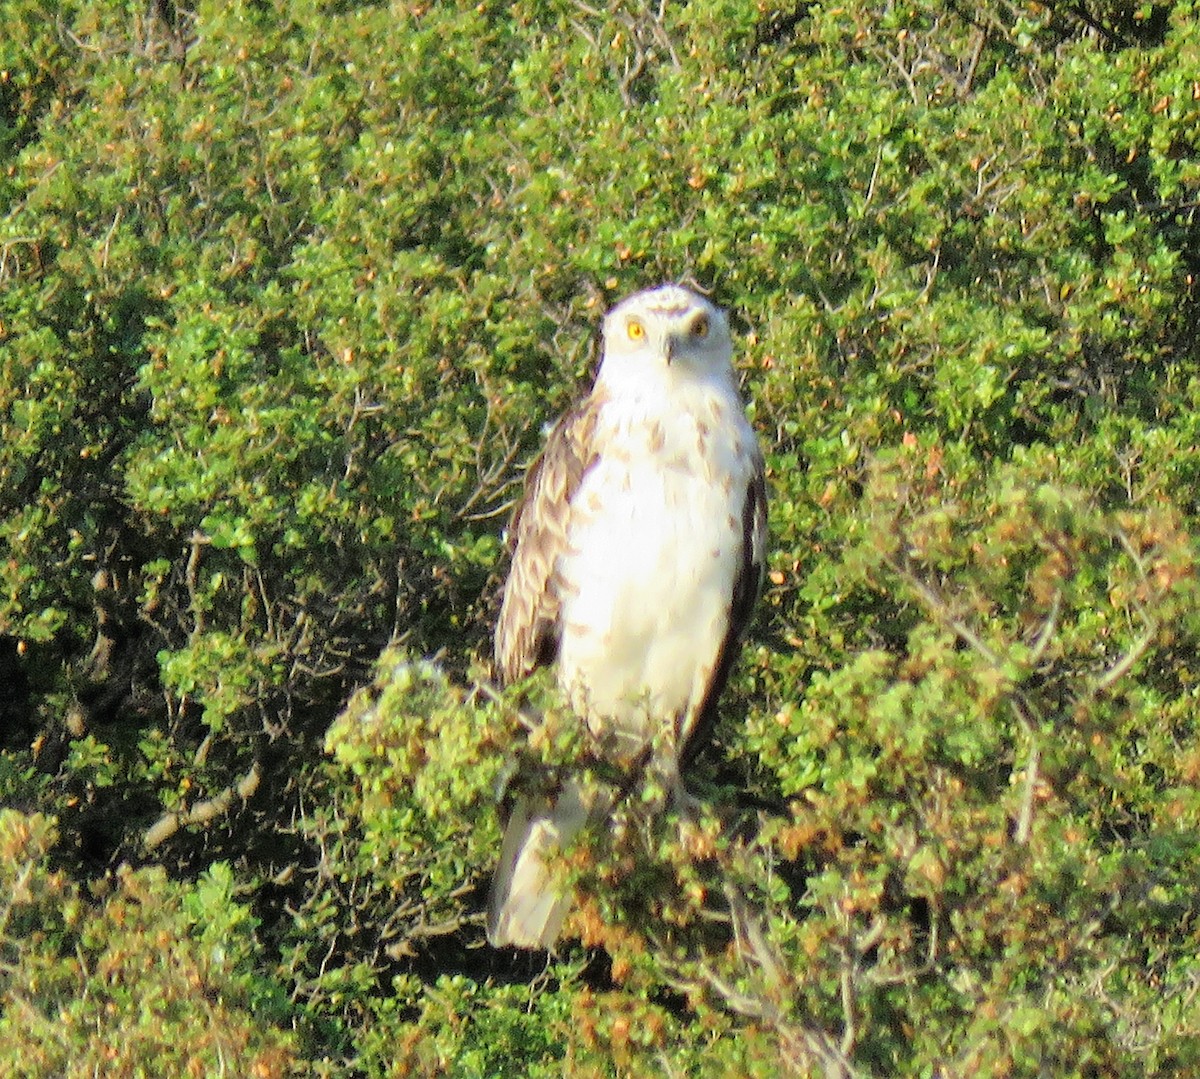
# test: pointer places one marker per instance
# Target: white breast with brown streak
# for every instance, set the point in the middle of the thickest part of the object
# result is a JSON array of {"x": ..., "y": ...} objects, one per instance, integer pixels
[{"x": 656, "y": 544}]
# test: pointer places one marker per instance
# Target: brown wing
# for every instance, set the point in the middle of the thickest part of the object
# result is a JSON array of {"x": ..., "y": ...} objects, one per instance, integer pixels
[
  {"x": 527, "y": 632},
  {"x": 746, "y": 589}
]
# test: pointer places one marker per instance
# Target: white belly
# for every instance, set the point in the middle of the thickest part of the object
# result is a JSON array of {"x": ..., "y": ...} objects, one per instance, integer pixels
[{"x": 656, "y": 546}]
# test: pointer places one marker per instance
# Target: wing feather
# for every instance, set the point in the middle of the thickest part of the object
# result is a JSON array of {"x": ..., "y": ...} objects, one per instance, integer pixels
[{"x": 527, "y": 632}]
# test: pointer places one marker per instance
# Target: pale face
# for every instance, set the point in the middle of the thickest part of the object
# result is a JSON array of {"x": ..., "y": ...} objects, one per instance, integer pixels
[{"x": 664, "y": 332}]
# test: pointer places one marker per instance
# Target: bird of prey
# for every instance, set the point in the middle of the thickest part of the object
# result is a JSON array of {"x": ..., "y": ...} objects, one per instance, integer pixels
[{"x": 637, "y": 556}]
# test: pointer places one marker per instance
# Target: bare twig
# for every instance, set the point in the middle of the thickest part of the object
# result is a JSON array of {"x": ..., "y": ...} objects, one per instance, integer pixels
[
  {"x": 968, "y": 83},
  {"x": 1029, "y": 789},
  {"x": 203, "y": 813}
]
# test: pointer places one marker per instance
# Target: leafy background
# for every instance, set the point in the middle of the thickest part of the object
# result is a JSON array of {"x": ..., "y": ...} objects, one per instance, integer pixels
[{"x": 287, "y": 293}]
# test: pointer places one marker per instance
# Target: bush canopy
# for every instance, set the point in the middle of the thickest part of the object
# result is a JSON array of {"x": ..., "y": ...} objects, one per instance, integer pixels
[{"x": 288, "y": 292}]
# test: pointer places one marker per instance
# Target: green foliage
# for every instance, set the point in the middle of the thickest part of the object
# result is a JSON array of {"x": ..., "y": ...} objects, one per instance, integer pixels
[
  {"x": 404, "y": 824},
  {"x": 286, "y": 294},
  {"x": 143, "y": 977}
]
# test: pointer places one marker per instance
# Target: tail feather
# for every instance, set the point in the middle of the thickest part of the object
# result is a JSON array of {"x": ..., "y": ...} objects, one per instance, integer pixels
[{"x": 528, "y": 904}]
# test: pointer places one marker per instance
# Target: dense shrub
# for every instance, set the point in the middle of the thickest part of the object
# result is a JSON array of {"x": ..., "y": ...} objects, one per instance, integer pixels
[
  {"x": 142, "y": 977},
  {"x": 287, "y": 293}
]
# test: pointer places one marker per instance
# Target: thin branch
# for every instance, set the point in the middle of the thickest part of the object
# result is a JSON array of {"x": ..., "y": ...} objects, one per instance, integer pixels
[
  {"x": 1025, "y": 813},
  {"x": 940, "y": 608},
  {"x": 1047, "y": 631},
  {"x": 203, "y": 813},
  {"x": 1121, "y": 668},
  {"x": 973, "y": 66}
]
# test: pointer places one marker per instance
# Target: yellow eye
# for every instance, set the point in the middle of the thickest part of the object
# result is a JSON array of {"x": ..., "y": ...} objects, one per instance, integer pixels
[
  {"x": 700, "y": 328},
  {"x": 635, "y": 330}
]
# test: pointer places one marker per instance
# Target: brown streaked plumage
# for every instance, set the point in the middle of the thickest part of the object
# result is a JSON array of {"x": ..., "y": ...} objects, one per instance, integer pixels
[{"x": 527, "y": 632}]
